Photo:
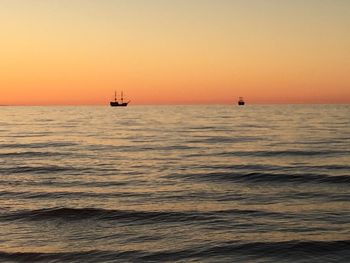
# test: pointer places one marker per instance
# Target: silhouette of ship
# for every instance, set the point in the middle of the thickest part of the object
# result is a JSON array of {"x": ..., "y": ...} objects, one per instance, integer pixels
[
  {"x": 116, "y": 103},
  {"x": 241, "y": 101}
]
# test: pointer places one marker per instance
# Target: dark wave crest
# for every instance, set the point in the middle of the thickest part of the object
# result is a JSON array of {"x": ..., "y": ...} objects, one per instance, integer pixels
[
  {"x": 39, "y": 169},
  {"x": 37, "y": 145},
  {"x": 129, "y": 215},
  {"x": 299, "y": 251},
  {"x": 287, "y": 153},
  {"x": 103, "y": 214},
  {"x": 31, "y": 154},
  {"x": 264, "y": 177},
  {"x": 270, "y": 167},
  {"x": 67, "y": 194},
  {"x": 84, "y": 256},
  {"x": 334, "y": 250}
]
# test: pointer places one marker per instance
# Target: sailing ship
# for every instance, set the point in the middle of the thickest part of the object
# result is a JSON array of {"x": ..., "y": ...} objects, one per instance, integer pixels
[
  {"x": 120, "y": 103},
  {"x": 241, "y": 101}
]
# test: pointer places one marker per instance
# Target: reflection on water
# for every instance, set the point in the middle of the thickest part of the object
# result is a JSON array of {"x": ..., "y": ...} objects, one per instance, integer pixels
[{"x": 179, "y": 183}]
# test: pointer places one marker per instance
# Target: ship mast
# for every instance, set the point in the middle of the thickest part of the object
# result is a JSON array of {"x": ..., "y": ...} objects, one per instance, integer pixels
[
  {"x": 115, "y": 96},
  {"x": 122, "y": 97}
]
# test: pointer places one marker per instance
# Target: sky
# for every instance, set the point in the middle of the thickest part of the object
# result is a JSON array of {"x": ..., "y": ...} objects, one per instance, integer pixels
[{"x": 78, "y": 52}]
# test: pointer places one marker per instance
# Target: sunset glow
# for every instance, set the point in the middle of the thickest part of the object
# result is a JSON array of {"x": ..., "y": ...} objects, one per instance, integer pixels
[{"x": 77, "y": 52}]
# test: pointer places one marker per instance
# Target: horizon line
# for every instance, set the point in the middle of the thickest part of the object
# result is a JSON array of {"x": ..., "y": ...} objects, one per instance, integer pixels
[{"x": 177, "y": 104}]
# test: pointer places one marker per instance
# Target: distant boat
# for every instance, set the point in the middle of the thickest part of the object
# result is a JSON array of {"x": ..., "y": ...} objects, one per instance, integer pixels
[
  {"x": 120, "y": 103},
  {"x": 241, "y": 101}
]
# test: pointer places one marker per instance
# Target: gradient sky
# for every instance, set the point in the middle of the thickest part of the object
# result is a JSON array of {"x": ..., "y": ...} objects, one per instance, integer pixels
[{"x": 174, "y": 51}]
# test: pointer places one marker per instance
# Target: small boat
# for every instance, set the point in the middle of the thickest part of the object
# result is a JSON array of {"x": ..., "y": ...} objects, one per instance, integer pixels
[
  {"x": 241, "y": 101},
  {"x": 120, "y": 103}
]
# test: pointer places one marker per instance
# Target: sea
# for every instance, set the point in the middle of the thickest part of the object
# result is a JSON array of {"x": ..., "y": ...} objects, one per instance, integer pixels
[{"x": 204, "y": 183}]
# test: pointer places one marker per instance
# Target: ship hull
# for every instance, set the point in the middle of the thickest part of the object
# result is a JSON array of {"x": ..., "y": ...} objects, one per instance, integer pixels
[{"x": 117, "y": 104}]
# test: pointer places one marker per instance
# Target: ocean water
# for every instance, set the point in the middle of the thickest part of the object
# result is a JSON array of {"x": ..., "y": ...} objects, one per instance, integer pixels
[{"x": 175, "y": 183}]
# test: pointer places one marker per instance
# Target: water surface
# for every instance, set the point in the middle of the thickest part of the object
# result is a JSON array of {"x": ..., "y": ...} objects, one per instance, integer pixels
[{"x": 175, "y": 183}]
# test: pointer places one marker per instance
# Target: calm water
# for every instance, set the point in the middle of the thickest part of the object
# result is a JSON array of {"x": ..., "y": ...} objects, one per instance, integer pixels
[{"x": 175, "y": 183}]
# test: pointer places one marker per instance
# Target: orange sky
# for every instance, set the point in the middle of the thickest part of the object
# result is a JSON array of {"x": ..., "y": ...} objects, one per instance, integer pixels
[{"x": 174, "y": 52}]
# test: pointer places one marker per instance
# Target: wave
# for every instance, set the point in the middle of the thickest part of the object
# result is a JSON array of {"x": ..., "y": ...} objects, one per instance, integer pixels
[
  {"x": 282, "y": 153},
  {"x": 129, "y": 215},
  {"x": 37, "y": 145},
  {"x": 263, "y": 177},
  {"x": 39, "y": 169},
  {"x": 103, "y": 214},
  {"x": 289, "y": 249},
  {"x": 223, "y": 139},
  {"x": 266, "y": 167},
  {"x": 33, "y": 154},
  {"x": 148, "y": 148},
  {"x": 283, "y": 250},
  {"x": 79, "y": 256},
  {"x": 297, "y": 153},
  {"x": 68, "y": 184},
  {"x": 335, "y": 250},
  {"x": 30, "y": 135},
  {"x": 67, "y": 194},
  {"x": 293, "y": 251}
]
